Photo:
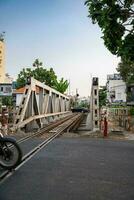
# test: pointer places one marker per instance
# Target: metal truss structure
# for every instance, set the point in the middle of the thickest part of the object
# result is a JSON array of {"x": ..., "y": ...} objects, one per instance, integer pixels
[{"x": 39, "y": 105}]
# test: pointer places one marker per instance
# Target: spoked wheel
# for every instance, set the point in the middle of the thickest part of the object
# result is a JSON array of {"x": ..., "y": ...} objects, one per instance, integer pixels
[{"x": 10, "y": 154}]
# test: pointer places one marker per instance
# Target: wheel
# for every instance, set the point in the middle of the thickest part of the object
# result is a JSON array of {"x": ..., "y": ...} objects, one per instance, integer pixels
[{"x": 10, "y": 153}]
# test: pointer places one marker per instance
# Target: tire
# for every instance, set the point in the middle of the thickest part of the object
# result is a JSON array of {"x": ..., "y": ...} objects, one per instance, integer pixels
[{"x": 11, "y": 154}]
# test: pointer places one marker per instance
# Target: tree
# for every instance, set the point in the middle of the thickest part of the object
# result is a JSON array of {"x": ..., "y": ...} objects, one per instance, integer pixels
[
  {"x": 37, "y": 63},
  {"x": 84, "y": 104},
  {"x": 50, "y": 77},
  {"x": 43, "y": 75},
  {"x": 8, "y": 101},
  {"x": 61, "y": 85},
  {"x": 126, "y": 69},
  {"x": 22, "y": 76},
  {"x": 116, "y": 20},
  {"x": 40, "y": 73},
  {"x": 102, "y": 96}
]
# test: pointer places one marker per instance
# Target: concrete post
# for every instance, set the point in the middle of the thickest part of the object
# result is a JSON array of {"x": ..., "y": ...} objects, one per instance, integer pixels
[{"x": 94, "y": 104}]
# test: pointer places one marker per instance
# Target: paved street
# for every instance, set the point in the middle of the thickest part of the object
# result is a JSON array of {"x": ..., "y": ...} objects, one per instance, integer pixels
[{"x": 75, "y": 169}]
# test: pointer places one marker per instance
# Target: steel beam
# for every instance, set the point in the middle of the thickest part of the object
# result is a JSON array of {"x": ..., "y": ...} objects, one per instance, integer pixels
[{"x": 40, "y": 101}]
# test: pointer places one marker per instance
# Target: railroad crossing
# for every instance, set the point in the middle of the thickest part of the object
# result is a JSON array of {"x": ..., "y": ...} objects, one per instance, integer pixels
[
  {"x": 41, "y": 104},
  {"x": 71, "y": 168},
  {"x": 54, "y": 166}
]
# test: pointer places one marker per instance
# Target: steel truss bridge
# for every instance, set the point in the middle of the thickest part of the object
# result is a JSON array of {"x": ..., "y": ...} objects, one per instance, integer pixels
[{"x": 40, "y": 104}]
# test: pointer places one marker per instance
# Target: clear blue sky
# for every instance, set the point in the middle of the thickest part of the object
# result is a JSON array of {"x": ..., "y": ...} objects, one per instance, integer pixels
[{"x": 59, "y": 33}]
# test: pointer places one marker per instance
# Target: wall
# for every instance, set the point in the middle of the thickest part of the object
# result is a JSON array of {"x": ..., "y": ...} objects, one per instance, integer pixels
[
  {"x": 119, "y": 118},
  {"x": 117, "y": 89}
]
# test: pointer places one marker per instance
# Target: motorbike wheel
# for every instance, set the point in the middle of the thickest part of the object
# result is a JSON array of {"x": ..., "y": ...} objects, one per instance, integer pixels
[{"x": 10, "y": 154}]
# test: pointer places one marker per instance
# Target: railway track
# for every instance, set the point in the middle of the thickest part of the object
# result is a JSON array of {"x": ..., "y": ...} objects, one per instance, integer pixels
[
  {"x": 47, "y": 128},
  {"x": 55, "y": 130}
]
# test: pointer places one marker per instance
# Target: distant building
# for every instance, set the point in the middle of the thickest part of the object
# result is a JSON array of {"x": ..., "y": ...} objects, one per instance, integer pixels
[
  {"x": 2, "y": 62},
  {"x": 84, "y": 101},
  {"x": 116, "y": 89},
  {"x": 4, "y": 77},
  {"x": 5, "y": 89},
  {"x": 18, "y": 94}
]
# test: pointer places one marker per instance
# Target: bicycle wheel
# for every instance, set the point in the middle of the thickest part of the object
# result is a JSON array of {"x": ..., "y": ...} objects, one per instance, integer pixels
[{"x": 11, "y": 153}]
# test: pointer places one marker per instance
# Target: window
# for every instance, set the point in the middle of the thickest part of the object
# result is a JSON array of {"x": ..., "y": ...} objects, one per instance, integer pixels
[
  {"x": 96, "y": 123},
  {"x": 95, "y": 81},
  {"x": 95, "y": 92},
  {"x": 0, "y": 61},
  {"x": 8, "y": 89},
  {"x": 0, "y": 51},
  {"x": 95, "y": 101},
  {"x": 95, "y": 111},
  {"x": 1, "y": 89}
]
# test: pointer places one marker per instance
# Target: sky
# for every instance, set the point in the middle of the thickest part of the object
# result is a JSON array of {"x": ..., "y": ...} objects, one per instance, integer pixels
[{"x": 61, "y": 35}]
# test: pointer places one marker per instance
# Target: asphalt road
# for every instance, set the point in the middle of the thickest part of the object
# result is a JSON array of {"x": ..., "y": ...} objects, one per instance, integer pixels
[
  {"x": 75, "y": 169},
  {"x": 27, "y": 146}
]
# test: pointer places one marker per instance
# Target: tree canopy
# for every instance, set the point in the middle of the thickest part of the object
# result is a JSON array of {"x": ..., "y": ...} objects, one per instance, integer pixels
[
  {"x": 126, "y": 69},
  {"x": 7, "y": 100},
  {"x": 42, "y": 74},
  {"x": 116, "y": 20},
  {"x": 102, "y": 96},
  {"x": 61, "y": 85}
]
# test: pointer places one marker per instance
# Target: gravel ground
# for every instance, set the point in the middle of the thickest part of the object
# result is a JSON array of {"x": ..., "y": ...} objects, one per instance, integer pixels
[
  {"x": 121, "y": 135},
  {"x": 89, "y": 134}
]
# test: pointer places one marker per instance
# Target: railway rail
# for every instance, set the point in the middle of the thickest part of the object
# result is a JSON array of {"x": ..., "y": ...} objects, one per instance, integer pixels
[
  {"x": 55, "y": 129},
  {"x": 45, "y": 129}
]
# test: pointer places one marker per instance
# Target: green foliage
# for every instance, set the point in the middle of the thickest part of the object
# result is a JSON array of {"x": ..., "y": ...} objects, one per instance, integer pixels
[
  {"x": 83, "y": 104},
  {"x": 61, "y": 85},
  {"x": 42, "y": 74},
  {"x": 37, "y": 63},
  {"x": 126, "y": 69},
  {"x": 8, "y": 101},
  {"x": 131, "y": 111},
  {"x": 116, "y": 20},
  {"x": 21, "y": 80},
  {"x": 50, "y": 77},
  {"x": 102, "y": 96}
]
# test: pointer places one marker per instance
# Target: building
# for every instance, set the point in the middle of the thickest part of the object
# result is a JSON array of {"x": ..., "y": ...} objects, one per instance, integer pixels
[
  {"x": 85, "y": 101},
  {"x": 19, "y": 93},
  {"x": 2, "y": 61},
  {"x": 4, "y": 77},
  {"x": 116, "y": 89},
  {"x": 5, "y": 89}
]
